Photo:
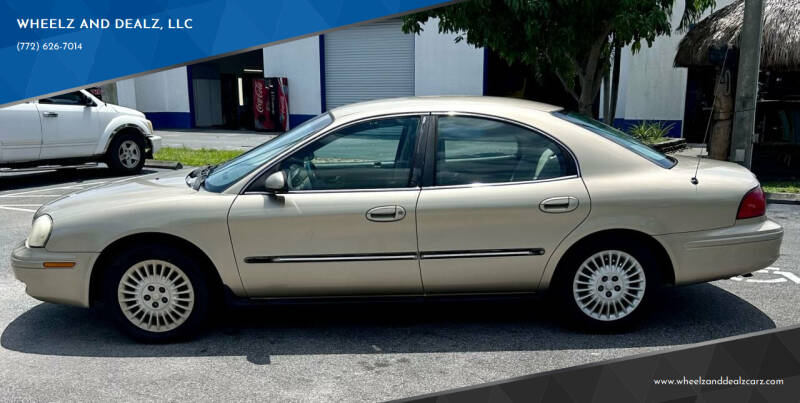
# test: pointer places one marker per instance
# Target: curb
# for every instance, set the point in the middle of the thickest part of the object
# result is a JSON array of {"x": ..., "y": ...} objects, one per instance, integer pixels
[
  {"x": 163, "y": 164},
  {"x": 783, "y": 198},
  {"x": 671, "y": 145}
]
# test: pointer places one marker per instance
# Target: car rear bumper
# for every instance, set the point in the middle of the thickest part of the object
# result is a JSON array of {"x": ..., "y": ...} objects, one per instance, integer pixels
[
  {"x": 700, "y": 256},
  {"x": 59, "y": 285}
]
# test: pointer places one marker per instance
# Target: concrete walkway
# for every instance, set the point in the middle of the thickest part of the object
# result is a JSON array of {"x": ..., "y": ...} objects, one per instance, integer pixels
[
  {"x": 693, "y": 150},
  {"x": 213, "y": 139}
]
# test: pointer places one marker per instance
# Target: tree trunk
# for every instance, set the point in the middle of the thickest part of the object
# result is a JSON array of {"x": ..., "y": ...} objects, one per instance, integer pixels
[
  {"x": 590, "y": 72},
  {"x": 587, "y": 96},
  {"x": 607, "y": 97},
  {"x": 585, "y": 106},
  {"x": 615, "y": 81},
  {"x": 719, "y": 143}
]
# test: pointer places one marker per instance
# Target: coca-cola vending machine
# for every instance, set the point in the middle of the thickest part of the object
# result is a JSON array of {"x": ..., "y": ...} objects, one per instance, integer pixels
[
  {"x": 271, "y": 104},
  {"x": 96, "y": 91}
]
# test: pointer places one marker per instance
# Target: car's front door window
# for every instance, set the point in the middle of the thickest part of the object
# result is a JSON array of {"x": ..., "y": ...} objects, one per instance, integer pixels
[
  {"x": 376, "y": 154},
  {"x": 70, "y": 98}
]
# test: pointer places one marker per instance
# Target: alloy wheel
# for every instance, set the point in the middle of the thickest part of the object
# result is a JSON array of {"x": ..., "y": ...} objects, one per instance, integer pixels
[
  {"x": 609, "y": 285},
  {"x": 129, "y": 154}
]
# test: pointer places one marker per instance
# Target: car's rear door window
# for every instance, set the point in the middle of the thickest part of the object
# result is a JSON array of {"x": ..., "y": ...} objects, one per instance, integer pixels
[{"x": 471, "y": 150}]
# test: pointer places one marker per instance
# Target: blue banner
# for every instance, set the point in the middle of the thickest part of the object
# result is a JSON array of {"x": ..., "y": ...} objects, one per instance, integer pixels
[{"x": 50, "y": 46}]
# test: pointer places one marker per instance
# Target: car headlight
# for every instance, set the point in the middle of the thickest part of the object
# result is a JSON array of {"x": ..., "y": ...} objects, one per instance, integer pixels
[
  {"x": 40, "y": 231},
  {"x": 149, "y": 125}
]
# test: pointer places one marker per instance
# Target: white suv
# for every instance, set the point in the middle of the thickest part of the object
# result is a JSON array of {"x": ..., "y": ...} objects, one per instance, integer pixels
[{"x": 75, "y": 128}]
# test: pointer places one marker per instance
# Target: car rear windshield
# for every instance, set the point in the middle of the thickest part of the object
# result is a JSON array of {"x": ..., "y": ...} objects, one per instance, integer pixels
[{"x": 619, "y": 137}]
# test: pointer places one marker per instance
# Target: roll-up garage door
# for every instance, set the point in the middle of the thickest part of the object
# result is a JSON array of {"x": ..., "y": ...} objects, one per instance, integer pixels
[{"x": 372, "y": 61}]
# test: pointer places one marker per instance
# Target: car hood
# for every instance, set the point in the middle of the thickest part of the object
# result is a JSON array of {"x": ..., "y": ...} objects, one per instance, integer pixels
[
  {"x": 126, "y": 111},
  {"x": 124, "y": 193}
]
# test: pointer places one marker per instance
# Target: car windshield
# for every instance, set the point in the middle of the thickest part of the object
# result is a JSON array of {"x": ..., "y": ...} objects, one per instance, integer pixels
[
  {"x": 619, "y": 137},
  {"x": 226, "y": 174}
]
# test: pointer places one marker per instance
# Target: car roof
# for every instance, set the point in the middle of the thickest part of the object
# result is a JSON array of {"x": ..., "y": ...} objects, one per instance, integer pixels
[{"x": 481, "y": 104}]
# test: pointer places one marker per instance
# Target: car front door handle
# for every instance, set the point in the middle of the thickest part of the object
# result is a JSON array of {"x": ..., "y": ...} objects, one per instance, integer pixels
[
  {"x": 386, "y": 213},
  {"x": 560, "y": 204},
  {"x": 50, "y": 114}
]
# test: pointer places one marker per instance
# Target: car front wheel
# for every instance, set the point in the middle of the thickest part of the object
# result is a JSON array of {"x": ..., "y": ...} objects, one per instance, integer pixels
[
  {"x": 607, "y": 287},
  {"x": 156, "y": 295}
]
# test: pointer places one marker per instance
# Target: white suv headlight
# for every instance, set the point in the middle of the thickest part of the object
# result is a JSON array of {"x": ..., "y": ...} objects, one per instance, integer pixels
[{"x": 40, "y": 231}]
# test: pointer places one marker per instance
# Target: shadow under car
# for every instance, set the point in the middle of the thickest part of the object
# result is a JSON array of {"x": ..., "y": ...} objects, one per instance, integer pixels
[{"x": 678, "y": 316}]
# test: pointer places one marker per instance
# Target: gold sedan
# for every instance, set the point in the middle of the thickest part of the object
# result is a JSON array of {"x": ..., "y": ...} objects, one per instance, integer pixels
[{"x": 405, "y": 197}]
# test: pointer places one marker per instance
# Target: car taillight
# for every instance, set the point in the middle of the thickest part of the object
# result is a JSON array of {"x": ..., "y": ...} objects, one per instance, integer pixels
[{"x": 753, "y": 204}]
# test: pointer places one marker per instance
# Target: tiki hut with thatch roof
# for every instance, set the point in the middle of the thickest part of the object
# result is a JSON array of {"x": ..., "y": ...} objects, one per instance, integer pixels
[
  {"x": 710, "y": 50},
  {"x": 780, "y": 45}
]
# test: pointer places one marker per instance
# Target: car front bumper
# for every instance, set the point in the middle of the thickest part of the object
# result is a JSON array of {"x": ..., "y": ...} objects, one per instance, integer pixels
[
  {"x": 68, "y": 286},
  {"x": 699, "y": 256},
  {"x": 155, "y": 145}
]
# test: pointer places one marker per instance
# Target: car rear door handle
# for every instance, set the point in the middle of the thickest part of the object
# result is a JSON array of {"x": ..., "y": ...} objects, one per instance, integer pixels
[
  {"x": 50, "y": 114},
  {"x": 560, "y": 204},
  {"x": 386, "y": 213}
]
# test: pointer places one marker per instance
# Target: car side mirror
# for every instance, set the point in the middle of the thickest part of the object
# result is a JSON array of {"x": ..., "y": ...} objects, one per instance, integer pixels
[{"x": 275, "y": 182}]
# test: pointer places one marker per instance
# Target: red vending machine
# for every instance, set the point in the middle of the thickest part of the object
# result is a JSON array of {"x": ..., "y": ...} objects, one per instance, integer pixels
[
  {"x": 96, "y": 91},
  {"x": 271, "y": 104}
]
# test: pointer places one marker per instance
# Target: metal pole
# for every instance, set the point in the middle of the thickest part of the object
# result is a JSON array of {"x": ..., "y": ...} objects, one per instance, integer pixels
[{"x": 744, "y": 116}]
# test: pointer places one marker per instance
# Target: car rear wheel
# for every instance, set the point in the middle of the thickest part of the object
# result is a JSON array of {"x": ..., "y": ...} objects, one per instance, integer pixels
[
  {"x": 126, "y": 153},
  {"x": 607, "y": 286},
  {"x": 157, "y": 295}
]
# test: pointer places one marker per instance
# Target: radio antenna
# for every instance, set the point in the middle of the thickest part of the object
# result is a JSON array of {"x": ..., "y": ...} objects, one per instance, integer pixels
[{"x": 711, "y": 114}]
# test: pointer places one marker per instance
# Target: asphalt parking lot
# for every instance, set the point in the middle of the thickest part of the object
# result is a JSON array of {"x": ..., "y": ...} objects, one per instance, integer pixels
[{"x": 345, "y": 352}]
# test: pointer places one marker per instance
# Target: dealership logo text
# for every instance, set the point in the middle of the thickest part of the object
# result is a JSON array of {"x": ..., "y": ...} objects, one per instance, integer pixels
[{"x": 104, "y": 23}]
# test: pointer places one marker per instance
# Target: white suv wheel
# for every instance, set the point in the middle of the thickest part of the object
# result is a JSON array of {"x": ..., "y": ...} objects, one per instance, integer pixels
[{"x": 129, "y": 154}]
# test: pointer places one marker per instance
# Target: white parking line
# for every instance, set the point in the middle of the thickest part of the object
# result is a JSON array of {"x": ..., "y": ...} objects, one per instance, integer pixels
[
  {"x": 70, "y": 187},
  {"x": 784, "y": 276},
  {"x": 29, "y": 192},
  {"x": 17, "y": 195},
  {"x": 789, "y": 275},
  {"x": 27, "y": 210},
  {"x": 64, "y": 187},
  {"x": 34, "y": 193},
  {"x": 98, "y": 182},
  {"x": 768, "y": 281}
]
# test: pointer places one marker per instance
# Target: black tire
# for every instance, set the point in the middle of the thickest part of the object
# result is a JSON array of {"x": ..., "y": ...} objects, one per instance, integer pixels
[
  {"x": 118, "y": 157},
  {"x": 190, "y": 321},
  {"x": 567, "y": 298}
]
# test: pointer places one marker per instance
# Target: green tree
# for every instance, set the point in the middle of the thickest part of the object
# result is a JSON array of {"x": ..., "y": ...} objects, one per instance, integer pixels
[{"x": 571, "y": 38}]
